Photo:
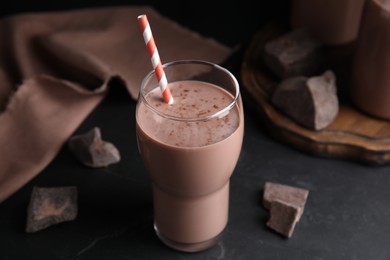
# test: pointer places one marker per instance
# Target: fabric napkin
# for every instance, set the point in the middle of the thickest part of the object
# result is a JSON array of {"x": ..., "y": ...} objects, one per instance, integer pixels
[{"x": 56, "y": 67}]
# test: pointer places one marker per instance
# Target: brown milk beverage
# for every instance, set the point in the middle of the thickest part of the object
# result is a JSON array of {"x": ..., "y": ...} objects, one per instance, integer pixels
[
  {"x": 370, "y": 81},
  {"x": 332, "y": 22},
  {"x": 190, "y": 162}
]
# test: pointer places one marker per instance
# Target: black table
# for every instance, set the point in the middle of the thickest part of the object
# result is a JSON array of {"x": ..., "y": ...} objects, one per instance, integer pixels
[{"x": 347, "y": 215}]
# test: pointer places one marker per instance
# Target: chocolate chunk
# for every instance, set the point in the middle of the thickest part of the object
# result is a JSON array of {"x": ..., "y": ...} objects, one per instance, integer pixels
[
  {"x": 288, "y": 194},
  {"x": 311, "y": 102},
  {"x": 324, "y": 93},
  {"x": 283, "y": 217},
  {"x": 293, "y": 98},
  {"x": 50, "y": 206},
  {"x": 92, "y": 151},
  {"x": 295, "y": 53}
]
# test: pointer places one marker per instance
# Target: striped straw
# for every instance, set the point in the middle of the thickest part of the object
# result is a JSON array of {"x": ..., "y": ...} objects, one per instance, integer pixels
[{"x": 155, "y": 58}]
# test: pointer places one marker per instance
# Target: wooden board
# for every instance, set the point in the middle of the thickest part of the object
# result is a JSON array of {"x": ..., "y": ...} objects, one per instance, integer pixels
[{"x": 352, "y": 135}]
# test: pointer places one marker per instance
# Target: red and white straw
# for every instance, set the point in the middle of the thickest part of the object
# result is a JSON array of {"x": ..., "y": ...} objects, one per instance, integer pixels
[{"x": 155, "y": 58}]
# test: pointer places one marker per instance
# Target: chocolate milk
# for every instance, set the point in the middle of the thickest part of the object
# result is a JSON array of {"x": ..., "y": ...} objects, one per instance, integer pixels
[
  {"x": 332, "y": 22},
  {"x": 190, "y": 162},
  {"x": 370, "y": 82}
]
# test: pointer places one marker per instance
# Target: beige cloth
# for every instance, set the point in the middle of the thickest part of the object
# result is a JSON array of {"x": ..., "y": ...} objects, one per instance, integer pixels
[{"x": 55, "y": 68}]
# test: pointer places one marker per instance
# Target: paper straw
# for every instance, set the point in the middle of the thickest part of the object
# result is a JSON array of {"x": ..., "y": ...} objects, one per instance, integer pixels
[{"x": 155, "y": 58}]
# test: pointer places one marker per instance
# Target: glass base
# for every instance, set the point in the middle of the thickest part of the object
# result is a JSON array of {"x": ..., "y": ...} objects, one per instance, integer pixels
[{"x": 190, "y": 247}]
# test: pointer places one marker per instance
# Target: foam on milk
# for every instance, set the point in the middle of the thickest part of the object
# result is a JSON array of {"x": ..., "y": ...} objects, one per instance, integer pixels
[{"x": 192, "y": 99}]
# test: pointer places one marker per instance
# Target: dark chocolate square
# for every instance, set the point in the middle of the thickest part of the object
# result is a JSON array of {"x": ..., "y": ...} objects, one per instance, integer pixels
[{"x": 50, "y": 206}]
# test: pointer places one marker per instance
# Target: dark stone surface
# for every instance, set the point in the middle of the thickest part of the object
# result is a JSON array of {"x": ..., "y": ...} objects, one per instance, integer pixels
[{"x": 346, "y": 217}]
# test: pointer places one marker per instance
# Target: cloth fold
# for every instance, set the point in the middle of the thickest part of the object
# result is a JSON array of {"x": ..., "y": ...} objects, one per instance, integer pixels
[{"x": 55, "y": 68}]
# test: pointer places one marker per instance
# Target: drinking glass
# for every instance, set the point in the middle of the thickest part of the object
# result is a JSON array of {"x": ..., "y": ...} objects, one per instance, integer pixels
[
  {"x": 370, "y": 79},
  {"x": 190, "y": 150}
]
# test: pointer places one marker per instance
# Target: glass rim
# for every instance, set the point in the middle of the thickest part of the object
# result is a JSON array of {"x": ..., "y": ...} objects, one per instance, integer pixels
[{"x": 218, "y": 114}]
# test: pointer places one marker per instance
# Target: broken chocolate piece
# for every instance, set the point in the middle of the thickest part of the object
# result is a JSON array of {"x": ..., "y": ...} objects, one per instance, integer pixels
[
  {"x": 92, "y": 151},
  {"x": 295, "y": 53},
  {"x": 324, "y": 93},
  {"x": 311, "y": 102},
  {"x": 283, "y": 217},
  {"x": 50, "y": 206},
  {"x": 288, "y": 194}
]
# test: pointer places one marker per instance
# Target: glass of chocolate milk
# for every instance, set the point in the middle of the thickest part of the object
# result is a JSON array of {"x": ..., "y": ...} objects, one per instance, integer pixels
[
  {"x": 190, "y": 149},
  {"x": 370, "y": 79},
  {"x": 332, "y": 22}
]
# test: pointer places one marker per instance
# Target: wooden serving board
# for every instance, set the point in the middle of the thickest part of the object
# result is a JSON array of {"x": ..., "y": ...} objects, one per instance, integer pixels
[{"x": 352, "y": 135}]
